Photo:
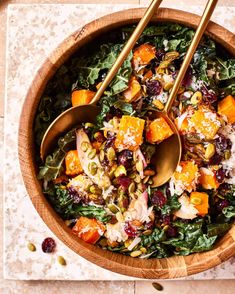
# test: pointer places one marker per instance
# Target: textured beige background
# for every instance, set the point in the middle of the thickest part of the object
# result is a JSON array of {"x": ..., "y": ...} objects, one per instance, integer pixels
[{"x": 94, "y": 287}]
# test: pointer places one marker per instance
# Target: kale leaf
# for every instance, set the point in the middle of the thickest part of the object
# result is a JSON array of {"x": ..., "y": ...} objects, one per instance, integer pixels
[
  {"x": 229, "y": 211},
  {"x": 64, "y": 205},
  {"x": 226, "y": 69},
  {"x": 217, "y": 229}
]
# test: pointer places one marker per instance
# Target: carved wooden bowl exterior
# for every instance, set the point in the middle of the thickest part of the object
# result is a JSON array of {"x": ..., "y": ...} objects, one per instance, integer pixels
[{"x": 172, "y": 267}]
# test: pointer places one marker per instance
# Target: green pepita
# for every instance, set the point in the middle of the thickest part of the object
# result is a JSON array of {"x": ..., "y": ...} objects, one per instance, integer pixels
[
  {"x": 61, "y": 260},
  {"x": 101, "y": 155},
  {"x": 111, "y": 155},
  {"x": 157, "y": 286},
  {"x": 137, "y": 179},
  {"x": 210, "y": 151},
  {"x": 92, "y": 153},
  {"x": 89, "y": 125},
  {"x": 113, "y": 208},
  {"x": 227, "y": 154},
  {"x": 85, "y": 146},
  {"x": 92, "y": 167},
  {"x": 31, "y": 247},
  {"x": 131, "y": 188},
  {"x": 136, "y": 253},
  {"x": 139, "y": 166},
  {"x": 95, "y": 190},
  {"x": 147, "y": 232},
  {"x": 120, "y": 170},
  {"x": 145, "y": 180}
]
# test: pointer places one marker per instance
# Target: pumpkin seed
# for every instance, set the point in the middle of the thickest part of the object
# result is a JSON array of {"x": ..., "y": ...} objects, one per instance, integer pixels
[
  {"x": 143, "y": 249},
  {"x": 227, "y": 154},
  {"x": 31, "y": 247},
  {"x": 89, "y": 125},
  {"x": 61, "y": 260},
  {"x": 111, "y": 155},
  {"x": 165, "y": 227},
  {"x": 210, "y": 151},
  {"x": 157, "y": 286},
  {"x": 168, "y": 86},
  {"x": 103, "y": 242},
  {"x": 150, "y": 181},
  {"x": 171, "y": 55},
  {"x": 137, "y": 179},
  {"x": 145, "y": 180},
  {"x": 139, "y": 166},
  {"x": 147, "y": 232},
  {"x": 113, "y": 208},
  {"x": 92, "y": 167},
  {"x": 196, "y": 98},
  {"x": 101, "y": 155},
  {"x": 85, "y": 146},
  {"x": 196, "y": 200},
  {"x": 132, "y": 176},
  {"x": 92, "y": 153},
  {"x": 136, "y": 253},
  {"x": 158, "y": 104},
  {"x": 128, "y": 242},
  {"x": 131, "y": 188},
  {"x": 95, "y": 190},
  {"x": 112, "y": 170},
  {"x": 120, "y": 170}
]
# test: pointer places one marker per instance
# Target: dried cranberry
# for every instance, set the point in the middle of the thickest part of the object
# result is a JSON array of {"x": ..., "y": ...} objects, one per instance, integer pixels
[
  {"x": 215, "y": 159},
  {"x": 209, "y": 96},
  {"x": 74, "y": 194},
  {"x": 166, "y": 219},
  {"x": 187, "y": 78},
  {"x": 222, "y": 143},
  {"x": 220, "y": 175},
  {"x": 158, "y": 199},
  {"x": 171, "y": 231},
  {"x": 222, "y": 204},
  {"x": 113, "y": 112},
  {"x": 130, "y": 230},
  {"x": 154, "y": 88},
  {"x": 125, "y": 158},
  {"x": 109, "y": 142},
  {"x": 124, "y": 182},
  {"x": 149, "y": 225},
  {"x": 48, "y": 245},
  {"x": 160, "y": 54}
]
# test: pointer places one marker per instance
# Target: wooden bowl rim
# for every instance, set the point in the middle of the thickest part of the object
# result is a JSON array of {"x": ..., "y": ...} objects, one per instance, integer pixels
[{"x": 172, "y": 267}]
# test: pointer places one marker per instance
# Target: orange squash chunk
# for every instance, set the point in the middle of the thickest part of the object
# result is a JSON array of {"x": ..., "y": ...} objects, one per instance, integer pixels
[
  {"x": 205, "y": 122},
  {"x": 72, "y": 163},
  {"x": 158, "y": 130},
  {"x": 143, "y": 54},
  {"x": 184, "y": 126},
  {"x": 208, "y": 179},
  {"x": 89, "y": 230},
  {"x": 133, "y": 90},
  {"x": 227, "y": 108},
  {"x": 82, "y": 97},
  {"x": 187, "y": 173},
  {"x": 200, "y": 200},
  {"x": 130, "y": 133}
]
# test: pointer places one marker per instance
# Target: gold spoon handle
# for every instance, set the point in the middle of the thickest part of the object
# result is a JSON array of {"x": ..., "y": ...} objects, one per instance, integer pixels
[
  {"x": 127, "y": 48},
  {"x": 197, "y": 37}
]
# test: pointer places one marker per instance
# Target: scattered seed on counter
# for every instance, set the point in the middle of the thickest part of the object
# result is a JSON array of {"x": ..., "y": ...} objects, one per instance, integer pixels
[
  {"x": 31, "y": 247},
  {"x": 157, "y": 286},
  {"x": 61, "y": 260}
]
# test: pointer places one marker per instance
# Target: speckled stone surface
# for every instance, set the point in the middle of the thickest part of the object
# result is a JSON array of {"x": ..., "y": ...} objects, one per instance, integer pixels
[{"x": 33, "y": 32}]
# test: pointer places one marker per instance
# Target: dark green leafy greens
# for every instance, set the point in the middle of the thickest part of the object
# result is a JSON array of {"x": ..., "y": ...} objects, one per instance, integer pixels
[{"x": 65, "y": 206}]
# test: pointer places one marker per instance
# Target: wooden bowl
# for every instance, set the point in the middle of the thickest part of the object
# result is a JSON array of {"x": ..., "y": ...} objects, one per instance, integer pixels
[{"x": 172, "y": 267}]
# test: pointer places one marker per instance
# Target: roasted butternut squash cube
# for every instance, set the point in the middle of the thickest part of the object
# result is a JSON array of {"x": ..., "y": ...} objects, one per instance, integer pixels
[
  {"x": 133, "y": 91},
  {"x": 89, "y": 230},
  {"x": 205, "y": 122},
  {"x": 187, "y": 174},
  {"x": 208, "y": 179},
  {"x": 82, "y": 97},
  {"x": 72, "y": 163},
  {"x": 130, "y": 133},
  {"x": 200, "y": 200},
  {"x": 158, "y": 130},
  {"x": 227, "y": 108},
  {"x": 143, "y": 54}
]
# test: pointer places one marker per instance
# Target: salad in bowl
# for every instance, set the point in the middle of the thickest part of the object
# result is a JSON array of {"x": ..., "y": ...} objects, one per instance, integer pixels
[{"x": 99, "y": 177}]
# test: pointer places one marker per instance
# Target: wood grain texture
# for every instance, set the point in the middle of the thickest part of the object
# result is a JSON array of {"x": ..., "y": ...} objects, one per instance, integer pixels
[{"x": 173, "y": 267}]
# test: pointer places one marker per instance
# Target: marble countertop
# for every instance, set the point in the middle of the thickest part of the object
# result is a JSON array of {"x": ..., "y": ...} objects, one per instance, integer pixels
[{"x": 33, "y": 32}]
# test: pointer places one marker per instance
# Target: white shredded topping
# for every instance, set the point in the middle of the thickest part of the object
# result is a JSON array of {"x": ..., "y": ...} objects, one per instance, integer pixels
[
  {"x": 136, "y": 241},
  {"x": 116, "y": 232},
  {"x": 187, "y": 210}
]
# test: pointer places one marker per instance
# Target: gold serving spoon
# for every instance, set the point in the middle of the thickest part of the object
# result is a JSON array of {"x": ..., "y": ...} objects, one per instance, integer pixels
[{"x": 168, "y": 153}]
